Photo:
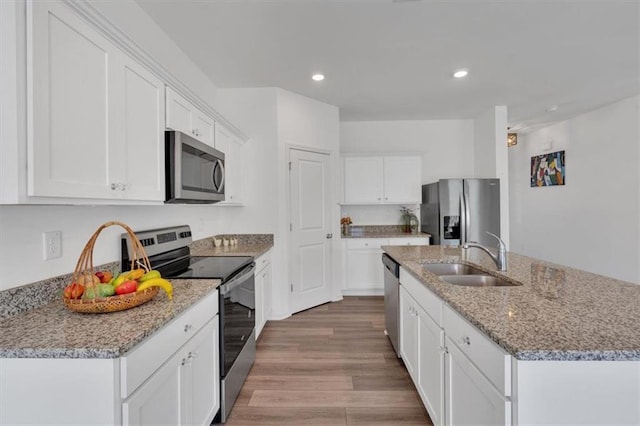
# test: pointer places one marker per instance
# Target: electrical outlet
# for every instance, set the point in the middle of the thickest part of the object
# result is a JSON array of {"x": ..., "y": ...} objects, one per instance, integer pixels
[{"x": 52, "y": 244}]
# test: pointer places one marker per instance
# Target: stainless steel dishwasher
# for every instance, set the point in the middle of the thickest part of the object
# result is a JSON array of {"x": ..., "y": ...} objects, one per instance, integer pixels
[{"x": 391, "y": 300}]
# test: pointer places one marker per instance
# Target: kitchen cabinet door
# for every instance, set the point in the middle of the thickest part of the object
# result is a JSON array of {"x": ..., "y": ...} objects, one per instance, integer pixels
[
  {"x": 470, "y": 397},
  {"x": 362, "y": 178},
  {"x": 232, "y": 149},
  {"x": 72, "y": 135},
  {"x": 202, "y": 378},
  {"x": 430, "y": 382},
  {"x": 403, "y": 180},
  {"x": 409, "y": 334},
  {"x": 263, "y": 291},
  {"x": 185, "y": 390},
  {"x": 159, "y": 401},
  {"x": 185, "y": 117},
  {"x": 410, "y": 241},
  {"x": 142, "y": 133},
  {"x": 364, "y": 270}
]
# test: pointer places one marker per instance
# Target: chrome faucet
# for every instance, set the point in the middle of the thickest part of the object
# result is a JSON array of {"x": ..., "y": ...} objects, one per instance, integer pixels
[{"x": 500, "y": 259}]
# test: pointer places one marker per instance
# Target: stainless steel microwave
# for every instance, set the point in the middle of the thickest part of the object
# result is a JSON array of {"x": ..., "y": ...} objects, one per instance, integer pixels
[{"x": 194, "y": 171}]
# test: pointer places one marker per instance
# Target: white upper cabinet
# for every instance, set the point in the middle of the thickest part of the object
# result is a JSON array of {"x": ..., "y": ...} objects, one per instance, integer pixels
[
  {"x": 95, "y": 116},
  {"x": 402, "y": 180},
  {"x": 382, "y": 179},
  {"x": 185, "y": 117},
  {"x": 231, "y": 146},
  {"x": 363, "y": 180}
]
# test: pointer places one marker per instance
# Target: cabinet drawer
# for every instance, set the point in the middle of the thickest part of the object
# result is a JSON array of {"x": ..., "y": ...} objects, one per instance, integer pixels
[
  {"x": 147, "y": 357},
  {"x": 490, "y": 359},
  {"x": 427, "y": 300},
  {"x": 262, "y": 261},
  {"x": 410, "y": 241},
  {"x": 366, "y": 243}
]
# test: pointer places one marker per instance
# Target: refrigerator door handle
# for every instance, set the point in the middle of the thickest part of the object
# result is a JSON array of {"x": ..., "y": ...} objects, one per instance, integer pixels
[
  {"x": 467, "y": 217},
  {"x": 463, "y": 219}
]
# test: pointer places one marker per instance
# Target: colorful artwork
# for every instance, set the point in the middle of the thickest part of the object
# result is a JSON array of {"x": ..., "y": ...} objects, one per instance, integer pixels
[{"x": 548, "y": 169}]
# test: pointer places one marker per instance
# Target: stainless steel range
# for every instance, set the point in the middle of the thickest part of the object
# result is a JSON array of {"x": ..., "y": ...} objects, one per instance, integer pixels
[{"x": 169, "y": 253}]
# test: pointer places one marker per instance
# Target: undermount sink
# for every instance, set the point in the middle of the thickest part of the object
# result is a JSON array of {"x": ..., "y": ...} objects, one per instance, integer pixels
[
  {"x": 452, "y": 269},
  {"x": 465, "y": 275},
  {"x": 476, "y": 280}
]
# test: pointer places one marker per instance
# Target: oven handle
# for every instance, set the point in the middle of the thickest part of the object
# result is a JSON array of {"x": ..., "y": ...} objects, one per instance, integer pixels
[{"x": 239, "y": 279}]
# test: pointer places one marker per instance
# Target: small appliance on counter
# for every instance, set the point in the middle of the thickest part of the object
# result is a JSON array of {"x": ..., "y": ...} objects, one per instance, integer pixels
[
  {"x": 169, "y": 253},
  {"x": 392, "y": 301},
  {"x": 456, "y": 211}
]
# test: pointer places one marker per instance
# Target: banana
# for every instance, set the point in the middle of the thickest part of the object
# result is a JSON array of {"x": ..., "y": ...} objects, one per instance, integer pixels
[
  {"x": 149, "y": 275},
  {"x": 158, "y": 282}
]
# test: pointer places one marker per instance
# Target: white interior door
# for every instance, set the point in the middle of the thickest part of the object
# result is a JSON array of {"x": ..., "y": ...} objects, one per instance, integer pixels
[{"x": 310, "y": 189}]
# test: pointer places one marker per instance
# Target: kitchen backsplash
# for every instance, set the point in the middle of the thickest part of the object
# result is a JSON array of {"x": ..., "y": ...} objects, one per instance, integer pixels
[{"x": 376, "y": 215}]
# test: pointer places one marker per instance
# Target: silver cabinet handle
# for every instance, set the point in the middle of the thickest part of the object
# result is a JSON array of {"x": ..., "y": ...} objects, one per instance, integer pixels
[
  {"x": 187, "y": 327},
  {"x": 329, "y": 236},
  {"x": 466, "y": 341},
  {"x": 114, "y": 186}
]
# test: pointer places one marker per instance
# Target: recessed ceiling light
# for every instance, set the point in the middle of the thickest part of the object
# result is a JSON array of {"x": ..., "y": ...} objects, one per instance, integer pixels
[
  {"x": 461, "y": 73},
  {"x": 317, "y": 77},
  {"x": 552, "y": 108}
]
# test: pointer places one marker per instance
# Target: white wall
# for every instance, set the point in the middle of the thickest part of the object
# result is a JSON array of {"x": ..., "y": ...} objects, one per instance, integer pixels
[
  {"x": 591, "y": 223},
  {"x": 446, "y": 145},
  {"x": 491, "y": 159}
]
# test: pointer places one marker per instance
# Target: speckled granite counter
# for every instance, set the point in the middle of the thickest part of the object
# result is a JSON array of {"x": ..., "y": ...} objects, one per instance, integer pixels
[
  {"x": 252, "y": 245},
  {"x": 52, "y": 331},
  {"x": 381, "y": 231},
  {"x": 558, "y": 313}
]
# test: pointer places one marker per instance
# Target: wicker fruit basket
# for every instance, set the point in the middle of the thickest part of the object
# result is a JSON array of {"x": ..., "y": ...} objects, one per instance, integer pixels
[{"x": 84, "y": 269}]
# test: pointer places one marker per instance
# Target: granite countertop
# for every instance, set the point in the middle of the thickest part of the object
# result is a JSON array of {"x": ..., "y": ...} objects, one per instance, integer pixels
[
  {"x": 52, "y": 331},
  {"x": 253, "y": 245},
  {"x": 381, "y": 231},
  {"x": 558, "y": 313}
]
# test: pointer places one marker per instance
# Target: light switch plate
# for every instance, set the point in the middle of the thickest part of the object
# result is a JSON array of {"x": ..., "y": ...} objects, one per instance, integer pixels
[{"x": 52, "y": 244}]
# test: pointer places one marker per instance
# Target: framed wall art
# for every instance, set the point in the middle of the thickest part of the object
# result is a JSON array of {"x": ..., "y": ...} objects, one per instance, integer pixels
[{"x": 548, "y": 169}]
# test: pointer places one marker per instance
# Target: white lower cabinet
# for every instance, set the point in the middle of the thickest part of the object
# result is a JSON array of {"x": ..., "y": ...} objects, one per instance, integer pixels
[
  {"x": 464, "y": 379},
  {"x": 422, "y": 350},
  {"x": 263, "y": 291},
  {"x": 181, "y": 392},
  {"x": 409, "y": 333},
  {"x": 470, "y": 398},
  {"x": 431, "y": 356},
  {"x": 364, "y": 271}
]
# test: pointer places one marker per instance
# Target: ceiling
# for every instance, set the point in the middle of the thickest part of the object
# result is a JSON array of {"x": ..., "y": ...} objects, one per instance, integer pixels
[{"x": 393, "y": 60}]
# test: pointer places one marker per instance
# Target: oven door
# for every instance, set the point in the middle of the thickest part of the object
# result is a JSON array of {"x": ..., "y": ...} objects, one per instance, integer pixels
[
  {"x": 237, "y": 319},
  {"x": 194, "y": 171}
]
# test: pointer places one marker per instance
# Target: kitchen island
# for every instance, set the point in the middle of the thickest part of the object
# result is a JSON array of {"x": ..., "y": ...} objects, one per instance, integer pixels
[{"x": 562, "y": 346}]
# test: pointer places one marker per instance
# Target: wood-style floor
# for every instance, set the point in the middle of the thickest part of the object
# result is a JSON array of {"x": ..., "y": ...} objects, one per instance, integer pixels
[{"x": 330, "y": 365}]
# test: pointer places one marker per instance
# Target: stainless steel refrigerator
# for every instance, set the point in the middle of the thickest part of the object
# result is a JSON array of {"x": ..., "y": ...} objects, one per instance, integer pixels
[{"x": 455, "y": 211}]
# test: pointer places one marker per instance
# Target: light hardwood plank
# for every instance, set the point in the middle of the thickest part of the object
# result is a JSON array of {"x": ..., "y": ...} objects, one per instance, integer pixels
[{"x": 263, "y": 398}]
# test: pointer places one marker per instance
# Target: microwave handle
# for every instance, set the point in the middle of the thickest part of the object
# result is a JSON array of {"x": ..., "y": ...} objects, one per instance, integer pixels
[{"x": 217, "y": 187}]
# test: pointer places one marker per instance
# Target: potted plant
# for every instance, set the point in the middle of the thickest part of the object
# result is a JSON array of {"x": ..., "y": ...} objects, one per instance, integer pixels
[
  {"x": 409, "y": 220},
  {"x": 345, "y": 222}
]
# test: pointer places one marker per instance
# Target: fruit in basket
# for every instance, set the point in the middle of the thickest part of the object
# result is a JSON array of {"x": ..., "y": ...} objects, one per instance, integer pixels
[
  {"x": 98, "y": 290},
  {"x": 87, "y": 279},
  {"x": 135, "y": 274},
  {"x": 73, "y": 291},
  {"x": 127, "y": 287},
  {"x": 104, "y": 276},
  {"x": 158, "y": 282},
  {"x": 150, "y": 275},
  {"x": 120, "y": 279}
]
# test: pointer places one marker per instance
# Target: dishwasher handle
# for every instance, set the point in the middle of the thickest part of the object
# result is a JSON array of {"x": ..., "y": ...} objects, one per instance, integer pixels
[{"x": 391, "y": 265}]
